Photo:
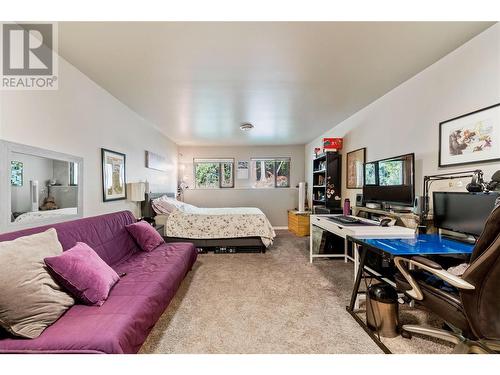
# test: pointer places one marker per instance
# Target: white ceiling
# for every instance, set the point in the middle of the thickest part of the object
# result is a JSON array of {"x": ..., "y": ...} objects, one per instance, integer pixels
[{"x": 198, "y": 82}]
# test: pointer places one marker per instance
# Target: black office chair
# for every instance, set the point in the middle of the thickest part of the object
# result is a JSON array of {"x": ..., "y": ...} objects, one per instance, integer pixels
[{"x": 470, "y": 305}]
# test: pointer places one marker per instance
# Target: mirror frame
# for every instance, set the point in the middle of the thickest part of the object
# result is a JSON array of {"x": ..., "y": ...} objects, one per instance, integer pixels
[{"x": 6, "y": 150}]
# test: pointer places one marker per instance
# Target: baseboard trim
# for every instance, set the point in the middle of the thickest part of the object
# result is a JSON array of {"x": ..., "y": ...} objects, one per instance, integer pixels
[{"x": 281, "y": 228}]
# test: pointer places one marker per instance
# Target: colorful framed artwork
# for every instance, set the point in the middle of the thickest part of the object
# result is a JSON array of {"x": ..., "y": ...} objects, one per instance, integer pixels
[
  {"x": 355, "y": 163},
  {"x": 16, "y": 173},
  {"x": 470, "y": 138},
  {"x": 113, "y": 176}
]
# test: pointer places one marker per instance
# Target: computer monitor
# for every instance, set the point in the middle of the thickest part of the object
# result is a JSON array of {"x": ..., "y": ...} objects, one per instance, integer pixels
[
  {"x": 461, "y": 211},
  {"x": 390, "y": 180}
]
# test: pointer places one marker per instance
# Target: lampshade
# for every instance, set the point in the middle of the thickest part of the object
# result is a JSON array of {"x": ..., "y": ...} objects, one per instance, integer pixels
[{"x": 136, "y": 191}]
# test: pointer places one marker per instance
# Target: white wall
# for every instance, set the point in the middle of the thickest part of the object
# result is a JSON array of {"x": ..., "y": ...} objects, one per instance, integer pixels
[
  {"x": 273, "y": 202},
  {"x": 407, "y": 118},
  {"x": 79, "y": 118}
]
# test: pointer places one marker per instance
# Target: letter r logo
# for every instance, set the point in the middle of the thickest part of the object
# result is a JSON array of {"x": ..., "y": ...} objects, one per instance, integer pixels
[{"x": 27, "y": 49}]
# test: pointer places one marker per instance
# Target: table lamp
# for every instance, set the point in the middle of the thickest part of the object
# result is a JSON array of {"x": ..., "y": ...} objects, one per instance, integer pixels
[{"x": 136, "y": 192}]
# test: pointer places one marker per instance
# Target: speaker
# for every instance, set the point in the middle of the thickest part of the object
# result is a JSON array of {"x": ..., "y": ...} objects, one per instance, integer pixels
[
  {"x": 359, "y": 200},
  {"x": 418, "y": 205}
]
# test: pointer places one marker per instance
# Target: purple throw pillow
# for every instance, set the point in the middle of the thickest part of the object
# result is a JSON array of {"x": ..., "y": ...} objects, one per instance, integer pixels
[
  {"x": 83, "y": 274},
  {"x": 146, "y": 236}
]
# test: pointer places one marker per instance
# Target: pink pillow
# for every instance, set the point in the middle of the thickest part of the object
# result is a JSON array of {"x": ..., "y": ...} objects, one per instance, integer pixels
[
  {"x": 83, "y": 274},
  {"x": 146, "y": 236}
]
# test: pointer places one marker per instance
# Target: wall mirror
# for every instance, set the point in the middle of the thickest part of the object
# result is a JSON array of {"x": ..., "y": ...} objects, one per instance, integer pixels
[{"x": 38, "y": 186}]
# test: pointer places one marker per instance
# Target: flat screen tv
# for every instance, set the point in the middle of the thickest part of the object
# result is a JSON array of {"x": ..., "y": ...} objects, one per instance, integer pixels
[{"x": 390, "y": 180}]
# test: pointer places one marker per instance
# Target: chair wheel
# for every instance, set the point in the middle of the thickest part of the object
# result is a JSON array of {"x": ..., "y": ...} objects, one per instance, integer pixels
[{"x": 406, "y": 334}]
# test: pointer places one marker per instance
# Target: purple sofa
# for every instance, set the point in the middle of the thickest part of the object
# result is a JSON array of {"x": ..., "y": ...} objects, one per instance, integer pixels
[{"x": 134, "y": 305}]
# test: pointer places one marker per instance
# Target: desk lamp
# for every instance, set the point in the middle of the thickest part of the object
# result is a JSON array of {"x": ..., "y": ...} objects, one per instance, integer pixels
[{"x": 476, "y": 185}]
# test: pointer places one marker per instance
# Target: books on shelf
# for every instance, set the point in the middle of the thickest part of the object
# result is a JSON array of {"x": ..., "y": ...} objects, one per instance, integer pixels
[{"x": 321, "y": 180}]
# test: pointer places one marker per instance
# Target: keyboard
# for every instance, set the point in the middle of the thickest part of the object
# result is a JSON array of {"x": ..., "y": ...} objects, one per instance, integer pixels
[{"x": 342, "y": 219}]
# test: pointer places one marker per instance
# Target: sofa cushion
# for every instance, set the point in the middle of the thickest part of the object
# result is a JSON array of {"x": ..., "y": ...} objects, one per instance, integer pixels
[
  {"x": 121, "y": 324},
  {"x": 83, "y": 273},
  {"x": 30, "y": 299},
  {"x": 105, "y": 234},
  {"x": 146, "y": 236}
]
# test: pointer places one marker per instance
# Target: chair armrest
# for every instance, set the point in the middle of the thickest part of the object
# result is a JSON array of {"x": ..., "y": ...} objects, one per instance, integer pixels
[
  {"x": 427, "y": 262},
  {"x": 416, "y": 292}
]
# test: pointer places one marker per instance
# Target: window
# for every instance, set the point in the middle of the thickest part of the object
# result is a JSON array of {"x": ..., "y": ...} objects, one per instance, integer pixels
[
  {"x": 271, "y": 173},
  {"x": 213, "y": 173},
  {"x": 73, "y": 174}
]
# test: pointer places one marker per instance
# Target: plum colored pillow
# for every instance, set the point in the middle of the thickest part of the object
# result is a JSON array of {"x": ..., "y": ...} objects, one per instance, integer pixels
[
  {"x": 83, "y": 274},
  {"x": 145, "y": 235}
]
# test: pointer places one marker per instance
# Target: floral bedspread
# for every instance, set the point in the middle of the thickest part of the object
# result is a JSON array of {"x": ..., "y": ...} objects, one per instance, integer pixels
[{"x": 220, "y": 223}]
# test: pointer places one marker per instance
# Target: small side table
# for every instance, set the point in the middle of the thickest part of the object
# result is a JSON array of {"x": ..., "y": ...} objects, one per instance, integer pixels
[
  {"x": 298, "y": 222},
  {"x": 160, "y": 228}
]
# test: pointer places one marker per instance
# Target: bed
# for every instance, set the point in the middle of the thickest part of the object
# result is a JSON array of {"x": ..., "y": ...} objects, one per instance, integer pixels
[
  {"x": 35, "y": 216},
  {"x": 243, "y": 229}
]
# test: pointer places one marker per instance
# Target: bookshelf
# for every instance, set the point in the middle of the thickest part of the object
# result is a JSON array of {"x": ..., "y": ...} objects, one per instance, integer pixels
[{"x": 327, "y": 180}]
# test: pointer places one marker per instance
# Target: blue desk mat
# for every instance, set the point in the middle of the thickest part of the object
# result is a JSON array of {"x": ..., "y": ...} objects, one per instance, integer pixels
[{"x": 423, "y": 244}]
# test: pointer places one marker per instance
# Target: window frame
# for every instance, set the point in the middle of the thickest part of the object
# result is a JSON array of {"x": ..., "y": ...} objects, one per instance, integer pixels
[
  {"x": 218, "y": 161},
  {"x": 73, "y": 174},
  {"x": 274, "y": 160}
]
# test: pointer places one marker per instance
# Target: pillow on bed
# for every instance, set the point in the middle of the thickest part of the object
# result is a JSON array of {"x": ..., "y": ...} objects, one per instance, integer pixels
[
  {"x": 146, "y": 236},
  {"x": 166, "y": 205}
]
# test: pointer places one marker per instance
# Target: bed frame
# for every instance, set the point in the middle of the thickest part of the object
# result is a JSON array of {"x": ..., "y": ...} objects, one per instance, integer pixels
[{"x": 217, "y": 245}]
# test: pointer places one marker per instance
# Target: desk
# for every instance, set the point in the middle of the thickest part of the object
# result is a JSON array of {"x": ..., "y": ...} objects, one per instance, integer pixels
[
  {"x": 367, "y": 229},
  {"x": 424, "y": 244}
]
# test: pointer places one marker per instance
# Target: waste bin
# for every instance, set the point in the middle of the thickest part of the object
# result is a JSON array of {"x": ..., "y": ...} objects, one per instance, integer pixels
[{"x": 382, "y": 309}]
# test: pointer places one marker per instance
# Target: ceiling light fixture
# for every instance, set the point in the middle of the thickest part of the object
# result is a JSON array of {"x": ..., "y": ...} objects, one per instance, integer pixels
[{"x": 246, "y": 126}]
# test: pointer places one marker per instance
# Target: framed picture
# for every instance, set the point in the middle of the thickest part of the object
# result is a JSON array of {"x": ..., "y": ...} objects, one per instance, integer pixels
[
  {"x": 242, "y": 171},
  {"x": 113, "y": 176},
  {"x": 156, "y": 161},
  {"x": 355, "y": 163},
  {"x": 16, "y": 173},
  {"x": 470, "y": 138}
]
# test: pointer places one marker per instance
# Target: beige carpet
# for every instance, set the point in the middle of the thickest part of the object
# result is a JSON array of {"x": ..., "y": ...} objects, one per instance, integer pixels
[{"x": 270, "y": 303}]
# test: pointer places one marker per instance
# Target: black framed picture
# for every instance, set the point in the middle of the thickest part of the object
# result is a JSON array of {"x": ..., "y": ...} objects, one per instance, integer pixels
[
  {"x": 113, "y": 175},
  {"x": 156, "y": 161},
  {"x": 470, "y": 138},
  {"x": 355, "y": 163}
]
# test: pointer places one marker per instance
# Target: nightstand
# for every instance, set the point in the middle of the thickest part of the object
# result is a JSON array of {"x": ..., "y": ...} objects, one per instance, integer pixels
[
  {"x": 160, "y": 228},
  {"x": 298, "y": 222}
]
